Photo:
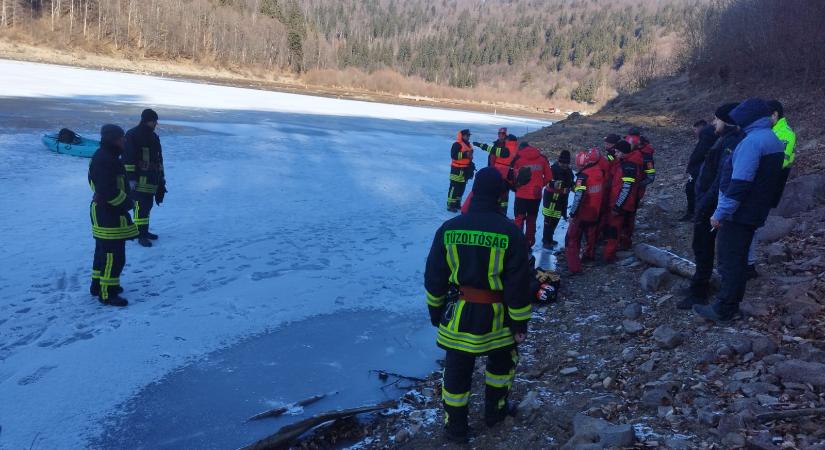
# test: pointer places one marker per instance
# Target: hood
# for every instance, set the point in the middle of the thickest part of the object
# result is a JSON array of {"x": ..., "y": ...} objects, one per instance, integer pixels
[
  {"x": 750, "y": 111},
  {"x": 764, "y": 122}
]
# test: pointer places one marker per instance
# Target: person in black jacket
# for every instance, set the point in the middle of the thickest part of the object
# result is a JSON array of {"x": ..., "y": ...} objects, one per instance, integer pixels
[
  {"x": 477, "y": 281},
  {"x": 144, "y": 165},
  {"x": 109, "y": 212},
  {"x": 555, "y": 198},
  {"x": 707, "y": 192},
  {"x": 706, "y": 137}
]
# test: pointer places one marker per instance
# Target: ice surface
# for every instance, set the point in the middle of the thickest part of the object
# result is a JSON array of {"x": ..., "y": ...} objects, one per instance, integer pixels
[{"x": 281, "y": 207}]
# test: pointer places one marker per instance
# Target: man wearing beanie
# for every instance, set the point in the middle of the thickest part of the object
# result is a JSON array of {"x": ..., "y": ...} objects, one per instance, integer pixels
[
  {"x": 627, "y": 177},
  {"x": 706, "y": 137},
  {"x": 707, "y": 192},
  {"x": 109, "y": 211},
  {"x": 477, "y": 281},
  {"x": 556, "y": 193},
  {"x": 144, "y": 165},
  {"x": 528, "y": 196},
  {"x": 747, "y": 188},
  {"x": 462, "y": 169}
]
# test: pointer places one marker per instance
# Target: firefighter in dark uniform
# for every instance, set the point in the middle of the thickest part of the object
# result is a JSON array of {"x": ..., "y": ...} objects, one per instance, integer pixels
[
  {"x": 461, "y": 169},
  {"x": 478, "y": 292},
  {"x": 144, "y": 166},
  {"x": 109, "y": 212},
  {"x": 556, "y": 193}
]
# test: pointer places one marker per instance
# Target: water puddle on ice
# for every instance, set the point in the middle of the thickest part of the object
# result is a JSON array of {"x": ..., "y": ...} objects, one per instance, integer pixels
[{"x": 205, "y": 405}]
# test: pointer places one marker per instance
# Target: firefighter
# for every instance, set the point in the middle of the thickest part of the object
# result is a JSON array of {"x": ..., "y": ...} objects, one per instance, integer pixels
[
  {"x": 528, "y": 196},
  {"x": 495, "y": 148},
  {"x": 586, "y": 209},
  {"x": 649, "y": 168},
  {"x": 109, "y": 213},
  {"x": 144, "y": 166},
  {"x": 461, "y": 169},
  {"x": 624, "y": 195},
  {"x": 501, "y": 155},
  {"x": 554, "y": 206},
  {"x": 477, "y": 282},
  {"x": 607, "y": 163}
]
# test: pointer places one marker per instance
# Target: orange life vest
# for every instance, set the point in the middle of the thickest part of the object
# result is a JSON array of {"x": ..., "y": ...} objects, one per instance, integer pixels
[{"x": 466, "y": 151}]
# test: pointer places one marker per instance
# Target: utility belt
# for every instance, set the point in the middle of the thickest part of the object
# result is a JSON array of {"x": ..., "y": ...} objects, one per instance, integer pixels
[{"x": 482, "y": 296}]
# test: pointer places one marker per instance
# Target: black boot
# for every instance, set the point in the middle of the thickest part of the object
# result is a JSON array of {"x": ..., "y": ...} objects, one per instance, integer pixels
[
  {"x": 690, "y": 300},
  {"x": 144, "y": 241},
  {"x": 114, "y": 300},
  {"x": 94, "y": 289},
  {"x": 151, "y": 236},
  {"x": 499, "y": 416}
]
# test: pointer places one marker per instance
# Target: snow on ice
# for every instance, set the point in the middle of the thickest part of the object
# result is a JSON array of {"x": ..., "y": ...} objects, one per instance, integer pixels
[{"x": 280, "y": 207}]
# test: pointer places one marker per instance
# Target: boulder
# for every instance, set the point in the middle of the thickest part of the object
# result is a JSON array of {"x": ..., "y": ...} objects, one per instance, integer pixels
[
  {"x": 655, "y": 278},
  {"x": 801, "y": 194},
  {"x": 775, "y": 228},
  {"x": 763, "y": 346},
  {"x": 633, "y": 311},
  {"x": 632, "y": 327},
  {"x": 667, "y": 338},
  {"x": 798, "y": 371},
  {"x": 657, "y": 397},
  {"x": 592, "y": 433},
  {"x": 776, "y": 253}
]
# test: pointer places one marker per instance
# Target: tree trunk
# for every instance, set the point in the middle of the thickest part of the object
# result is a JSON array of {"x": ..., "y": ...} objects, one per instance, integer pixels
[{"x": 673, "y": 263}]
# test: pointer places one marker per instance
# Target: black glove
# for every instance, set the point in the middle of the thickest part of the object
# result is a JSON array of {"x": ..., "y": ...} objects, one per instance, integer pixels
[
  {"x": 524, "y": 176},
  {"x": 160, "y": 195},
  {"x": 476, "y": 144},
  {"x": 435, "y": 316}
]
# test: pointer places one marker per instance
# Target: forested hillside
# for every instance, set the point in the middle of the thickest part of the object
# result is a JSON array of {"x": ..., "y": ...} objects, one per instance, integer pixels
[{"x": 540, "y": 52}]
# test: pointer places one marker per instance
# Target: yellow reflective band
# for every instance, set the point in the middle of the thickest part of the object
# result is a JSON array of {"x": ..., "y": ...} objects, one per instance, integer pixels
[
  {"x": 494, "y": 268},
  {"x": 129, "y": 167},
  {"x": 94, "y": 214},
  {"x": 95, "y": 274},
  {"x": 435, "y": 302},
  {"x": 498, "y": 317},
  {"x": 521, "y": 313},
  {"x": 629, "y": 179},
  {"x": 455, "y": 400},
  {"x": 109, "y": 281},
  {"x": 452, "y": 261},
  {"x": 120, "y": 198},
  {"x": 456, "y": 320},
  {"x": 456, "y": 344},
  {"x": 580, "y": 188},
  {"x": 498, "y": 381},
  {"x": 550, "y": 212},
  {"x": 650, "y": 170}
]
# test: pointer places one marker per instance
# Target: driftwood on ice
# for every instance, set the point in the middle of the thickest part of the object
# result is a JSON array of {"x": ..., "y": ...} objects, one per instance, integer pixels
[{"x": 674, "y": 263}]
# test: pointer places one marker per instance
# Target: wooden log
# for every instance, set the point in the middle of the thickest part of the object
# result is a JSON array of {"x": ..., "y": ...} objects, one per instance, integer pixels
[
  {"x": 282, "y": 409},
  {"x": 286, "y": 435},
  {"x": 790, "y": 414},
  {"x": 674, "y": 263}
]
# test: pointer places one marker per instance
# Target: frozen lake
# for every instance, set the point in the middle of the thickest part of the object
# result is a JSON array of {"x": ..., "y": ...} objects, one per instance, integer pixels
[{"x": 290, "y": 260}]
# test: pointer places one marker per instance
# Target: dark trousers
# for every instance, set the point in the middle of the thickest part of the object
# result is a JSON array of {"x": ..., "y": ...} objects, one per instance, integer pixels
[
  {"x": 550, "y": 224},
  {"x": 109, "y": 259},
  {"x": 732, "y": 244},
  {"x": 458, "y": 182},
  {"x": 704, "y": 246},
  {"x": 690, "y": 194},
  {"x": 143, "y": 207},
  {"x": 526, "y": 211},
  {"x": 458, "y": 377}
]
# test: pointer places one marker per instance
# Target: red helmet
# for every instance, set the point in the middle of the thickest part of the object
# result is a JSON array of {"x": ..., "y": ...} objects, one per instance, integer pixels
[{"x": 588, "y": 157}]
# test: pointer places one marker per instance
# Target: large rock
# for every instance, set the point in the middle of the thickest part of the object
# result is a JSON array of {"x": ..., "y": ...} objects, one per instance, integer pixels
[
  {"x": 632, "y": 327},
  {"x": 592, "y": 433},
  {"x": 776, "y": 253},
  {"x": 667, "y": 338},
  {"x": 775, "y": 228},
  {"x": 798, "y": 371},
  {"x": 763, "y": 346},
  {"x": 801, "y": 194},
  {"x": 633, "y": 311},
  {"x": 655, "y": 278}
]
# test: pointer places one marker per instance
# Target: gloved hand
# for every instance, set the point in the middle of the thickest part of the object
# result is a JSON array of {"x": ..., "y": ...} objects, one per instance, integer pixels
[
  {"x": 476, "y": 144},
  {"x": 435, "y": 316},
  {"x": 160, "y": 195}
]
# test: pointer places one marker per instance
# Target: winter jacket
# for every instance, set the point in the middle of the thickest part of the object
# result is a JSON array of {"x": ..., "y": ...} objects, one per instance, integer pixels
[
  {"x": 707, "y": 183},
  {"x": 588, "y": 193},
  {"x": 539, "y": 167},
  {"x": 143, "y": 160},
  {"x": 788, "y": 137},
  {"x": 557, "y": 191},
  {"x": 707, "y": 137},
  {"x": 496, "y": 150},
  {"x": 109, "y": 210},
  {"x": 752, "y": 178},
  {"x": 649, "y": 165},
  {"x": 483, "y": 254},
  {"x": 461, "y": 153},
  {"x": 627, "y": 179}
]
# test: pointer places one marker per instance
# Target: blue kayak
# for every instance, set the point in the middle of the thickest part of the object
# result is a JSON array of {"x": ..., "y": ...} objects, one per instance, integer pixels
[{"x": 82, "y": 147}]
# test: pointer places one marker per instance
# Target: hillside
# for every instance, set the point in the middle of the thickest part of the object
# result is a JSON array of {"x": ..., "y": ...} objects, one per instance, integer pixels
[{"x": 565, "y": 54}]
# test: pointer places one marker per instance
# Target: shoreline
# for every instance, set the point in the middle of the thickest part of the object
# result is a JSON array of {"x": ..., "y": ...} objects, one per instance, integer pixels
[{"x": 14, "y": 51}]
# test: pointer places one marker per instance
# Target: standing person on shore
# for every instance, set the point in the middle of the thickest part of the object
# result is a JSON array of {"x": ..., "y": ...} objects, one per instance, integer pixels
[
  {"x": 501, "y": 156},
  {"x": 586, "y": 209},
  {"x": 461, "y": 169},
  {"x": 624, "y": 196},
  {"x": 707, "y": 193},
  {"x": 477, "y": 281},
  {"x": 607, "y": 162},
  {"x": 528, "y": 196},
  {"x": 144, "y": 166},
  {"x": 706, "y": 137},
  {"x": 748, "y": 187},
  {"x": 554, "y": 203},
  {"x": 495, "y": 149},
  {"x": 785, "y": 134},
  {"x": 109, "y": 212}
]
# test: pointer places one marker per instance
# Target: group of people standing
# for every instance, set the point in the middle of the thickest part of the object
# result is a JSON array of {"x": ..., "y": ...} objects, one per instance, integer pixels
[{"x": 127, "y": 178}]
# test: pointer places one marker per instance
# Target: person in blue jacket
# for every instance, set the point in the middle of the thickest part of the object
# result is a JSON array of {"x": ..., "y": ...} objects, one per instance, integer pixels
[{"x": 747, "y": 187}]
